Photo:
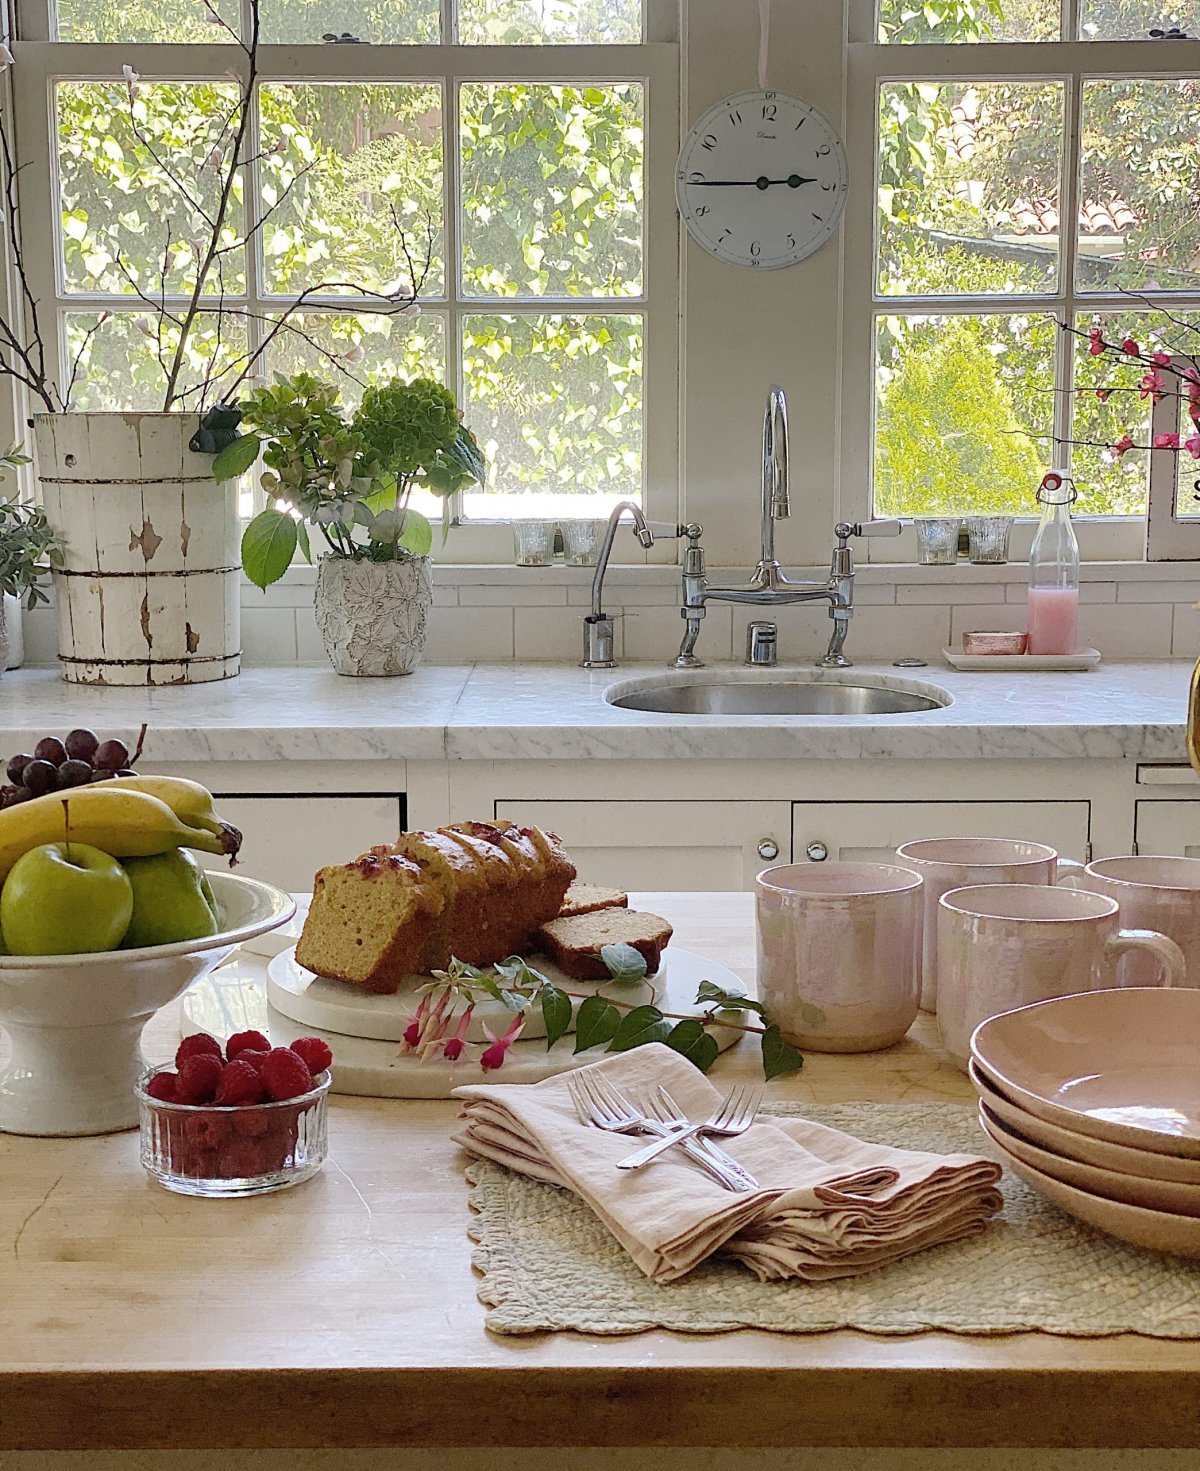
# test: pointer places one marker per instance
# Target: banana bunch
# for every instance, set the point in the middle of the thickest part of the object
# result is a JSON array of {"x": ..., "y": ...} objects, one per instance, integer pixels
[{"x": 128, "y": 817}]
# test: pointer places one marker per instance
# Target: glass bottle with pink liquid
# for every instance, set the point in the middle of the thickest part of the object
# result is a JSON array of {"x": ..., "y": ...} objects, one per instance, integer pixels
[{"x": 1054, "y": 572}]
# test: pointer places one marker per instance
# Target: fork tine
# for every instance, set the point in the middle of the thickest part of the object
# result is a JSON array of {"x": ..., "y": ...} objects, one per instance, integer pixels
[
  {"x": 667, "y": 1104},
  {"x": 598, "y": 1105},
  {"x": 575, "y": 1090},
  {"x": 618, "y": 1104},
  {"x": 652, "y": 1108}
]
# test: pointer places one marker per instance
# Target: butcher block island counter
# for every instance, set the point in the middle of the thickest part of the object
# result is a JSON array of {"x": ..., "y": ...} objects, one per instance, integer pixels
[{"x": 343, "y": 1313}]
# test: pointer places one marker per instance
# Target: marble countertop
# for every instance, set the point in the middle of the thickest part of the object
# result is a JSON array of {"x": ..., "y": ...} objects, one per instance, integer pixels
[{"x": 521, "y": 711}]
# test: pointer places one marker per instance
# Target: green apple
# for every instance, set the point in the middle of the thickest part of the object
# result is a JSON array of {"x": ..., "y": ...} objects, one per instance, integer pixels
[
  {"x": 172, "y": 900},
  {"x": 65, "y": 899}
]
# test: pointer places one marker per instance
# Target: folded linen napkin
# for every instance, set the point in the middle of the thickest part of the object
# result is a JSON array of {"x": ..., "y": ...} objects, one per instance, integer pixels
[{"x": 828, "y": 1205}]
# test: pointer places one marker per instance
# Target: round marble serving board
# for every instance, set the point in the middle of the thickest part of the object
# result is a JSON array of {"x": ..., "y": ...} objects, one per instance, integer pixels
[
  {"x": 333, "y": 1006},
  {"x": 234, "y": 999}
]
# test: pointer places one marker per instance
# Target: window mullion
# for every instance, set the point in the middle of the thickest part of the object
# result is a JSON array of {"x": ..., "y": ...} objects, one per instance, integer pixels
[
  {"x": 1068, "y": 230},
  {"x": 452, "y": 251}
]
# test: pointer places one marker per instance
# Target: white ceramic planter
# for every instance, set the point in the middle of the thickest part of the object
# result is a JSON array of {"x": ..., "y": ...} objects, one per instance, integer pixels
[
  {"x": 74, "y": 1022},
  {"x": 149, "y": 593},
  {"x": 374, "y": 616}
]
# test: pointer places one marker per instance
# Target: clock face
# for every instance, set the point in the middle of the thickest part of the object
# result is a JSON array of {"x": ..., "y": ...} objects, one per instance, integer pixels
[{"x": 761, "y": 180}]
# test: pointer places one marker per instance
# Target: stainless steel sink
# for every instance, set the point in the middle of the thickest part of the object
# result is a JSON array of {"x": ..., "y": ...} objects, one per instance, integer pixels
[{"x": 794, "y": 697}]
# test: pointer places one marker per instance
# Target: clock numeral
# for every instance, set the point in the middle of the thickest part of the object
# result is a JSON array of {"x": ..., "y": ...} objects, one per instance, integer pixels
[
  {"x": 754, "y": 263},
  {"x": 735, "y": 118},
  {"x": 827, "y": 187},
  {"x": 820, "y": 219},
  {"x": 695, "y": 177},
  {"x": 702, "y": 209},
  {"x": 756, "y": 247},
  {"x": 800, "y": 124},
  {"x": 709, "y": 141},
  {"x": 823, "y": 151},
  {"x": 770, "y": 112},
  {"x": 791, "y": 241},
  {"x": 724, "y": 235}
]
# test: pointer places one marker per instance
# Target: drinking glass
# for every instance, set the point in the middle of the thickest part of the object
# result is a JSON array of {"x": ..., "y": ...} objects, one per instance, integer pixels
[
  {"x": 581, "y": 541},
  {"x": 937, "y": 540},
  {"x": 987, "y": 538},
  {"x": 534, "y": 542}
]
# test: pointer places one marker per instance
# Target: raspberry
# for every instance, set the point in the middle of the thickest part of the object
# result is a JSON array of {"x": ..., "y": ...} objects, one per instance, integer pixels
[
  {"x": 246, "y": 1041},
  {"x": 197, "y": 1081},
  {"x": 206, "y": 1130},
  {"x": 239, "y": 1159},
  {"x": 252, "y": 1058},
  {"x": 251, "y": 1123},
  {"x": 315, "y": 1051},
  {"x": 163, "y": 1086},
  {"x": 239, "y": 1083},
  {"x": 195, "y": 1045},
  {"x": 285, "y": 1074}
]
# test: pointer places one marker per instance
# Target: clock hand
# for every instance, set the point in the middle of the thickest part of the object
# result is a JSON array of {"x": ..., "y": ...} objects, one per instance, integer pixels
[{"x": 793, "y": 181}]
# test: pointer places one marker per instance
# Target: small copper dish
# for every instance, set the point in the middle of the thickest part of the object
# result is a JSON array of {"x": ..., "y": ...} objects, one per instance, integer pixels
[{"x": 995, "y": 643}]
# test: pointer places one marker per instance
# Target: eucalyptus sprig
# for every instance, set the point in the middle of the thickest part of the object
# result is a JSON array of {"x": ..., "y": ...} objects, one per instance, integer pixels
[{"x": 28, "y": 544}]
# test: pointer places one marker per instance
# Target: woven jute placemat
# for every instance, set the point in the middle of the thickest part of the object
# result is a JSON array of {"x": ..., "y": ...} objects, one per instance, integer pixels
[{"x": 547, "y": 1264}]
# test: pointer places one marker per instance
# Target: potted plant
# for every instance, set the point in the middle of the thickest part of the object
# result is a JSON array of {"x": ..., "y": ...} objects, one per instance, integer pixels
[
  {"x": 351, "y": 478},
  {"x": 28, "y": 546}
]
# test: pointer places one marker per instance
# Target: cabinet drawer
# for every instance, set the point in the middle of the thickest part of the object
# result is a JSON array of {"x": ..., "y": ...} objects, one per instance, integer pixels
[
  {"x": 696, "y": 846},
  {"x": 1168, "y": 828},
  {"x": 871, "y": 832},
  {"x": 287, "y": 838}
]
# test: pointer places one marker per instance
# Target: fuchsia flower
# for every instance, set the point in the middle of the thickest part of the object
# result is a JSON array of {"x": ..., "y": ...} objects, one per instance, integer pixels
[
  {"x": 453, "y": 1049},
  {"x": 1166, "y": 441},
  {"x": 493, "y": 1056},
  {"x": 1103, "y": 394},
  {"x": 1096, "y": 342},
  {"x": 1130, "y": 348},
  {"x": 430, "y": 1023},
  {"x": 1163, "y": 359},
  {"x": 1192, "y": 446},
  {"x": 1121, "y": 445},
  {"x": 1153, "y": 386}
]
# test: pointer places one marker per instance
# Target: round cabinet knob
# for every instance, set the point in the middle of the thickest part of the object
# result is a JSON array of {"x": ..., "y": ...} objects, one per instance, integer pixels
[
  {"x": 816, "y": 852},
  {"x": 768, "y": 849}
]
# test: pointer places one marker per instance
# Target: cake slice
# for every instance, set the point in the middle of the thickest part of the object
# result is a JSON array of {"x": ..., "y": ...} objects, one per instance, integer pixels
[
  {"x": 587, "y": 898},
  {"x": 574, "y": 944},
  {"x": 368, "y": 921}
]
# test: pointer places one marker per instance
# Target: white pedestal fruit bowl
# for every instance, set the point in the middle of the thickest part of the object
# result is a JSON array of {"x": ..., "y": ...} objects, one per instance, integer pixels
[{"x": 74, "y": 1022}]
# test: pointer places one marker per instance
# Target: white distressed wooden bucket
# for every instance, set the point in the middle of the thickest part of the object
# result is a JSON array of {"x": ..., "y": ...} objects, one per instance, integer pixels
[{"x": 149, "y": 593}]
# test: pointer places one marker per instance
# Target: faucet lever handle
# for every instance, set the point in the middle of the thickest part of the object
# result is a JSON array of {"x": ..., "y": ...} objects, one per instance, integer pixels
[{"x": 867, "y": 528}]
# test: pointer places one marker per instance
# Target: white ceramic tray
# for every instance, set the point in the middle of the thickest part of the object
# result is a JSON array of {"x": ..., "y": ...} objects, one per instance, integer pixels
[
  {"x": 234, "y": 999},
  {"x": 975, "y": 663}
]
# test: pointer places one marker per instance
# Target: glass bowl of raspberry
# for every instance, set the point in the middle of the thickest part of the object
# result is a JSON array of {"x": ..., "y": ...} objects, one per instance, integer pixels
[{"x": 241, "y": 1119}]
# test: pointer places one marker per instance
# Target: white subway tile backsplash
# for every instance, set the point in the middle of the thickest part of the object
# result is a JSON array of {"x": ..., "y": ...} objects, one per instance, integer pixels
[
  {"x": 949, "y": 592},
  {"x": 460, "y": 635},
  {"x": 896, "y": 633},
  {"x": 40, "y": 629},
  {"x": 269, "y": 635},
  {"x": 1159, "y": 592},
  {"x": 655, "y": 633},
  {"x": 1185, "y": 634},
  {"x": 512, "y": 597},
  {"x": 1127, "y": 631},
  {"x": 540, "y": 633}
]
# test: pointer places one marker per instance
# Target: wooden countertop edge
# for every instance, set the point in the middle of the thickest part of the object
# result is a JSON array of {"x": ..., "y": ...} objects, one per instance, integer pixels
[{"x": 568, "y": 1407}]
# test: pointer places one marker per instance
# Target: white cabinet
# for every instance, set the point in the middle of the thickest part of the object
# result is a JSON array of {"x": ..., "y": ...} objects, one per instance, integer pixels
[
  {"x": 287, "y": 838},
  {"x": 1168, "y": 827},
  {"x": 871, "y": 832},
  {"x": 699, "y": 846}
]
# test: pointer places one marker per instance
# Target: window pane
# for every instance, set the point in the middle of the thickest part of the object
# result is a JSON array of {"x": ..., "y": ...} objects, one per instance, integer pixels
[
  {"x": 1139, "y": 226},
  {"x": 164, "y": 20},
  {"x": 119, "y": 363},
  {"x": 969, "y": 187},
  {"x": 556, "y": 404},
  {"x": 344, "y": 165},
  {"x": 530, "y": 22},
  {"x": 1132, "y": 20},
  {"x": 909, "y": 22},
  {"x": 383, "y": 22},
  {"x": 140, "y": 181},
  {"x": 970, "y": 450},
  {"x": 552, "y": 189},
  {"x": 360, "y": 348}
]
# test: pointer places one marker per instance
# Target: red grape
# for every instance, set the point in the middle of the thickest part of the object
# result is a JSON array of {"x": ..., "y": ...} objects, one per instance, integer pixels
[
  {"x": 16, "y": 767},
  {"x": 111, "y": 755},
  {"x": 40, "y": 776},
  {"x": 74, "y": 774},
  {"x": 81, "y": 744},
  {"x": 50, "y": 749}
]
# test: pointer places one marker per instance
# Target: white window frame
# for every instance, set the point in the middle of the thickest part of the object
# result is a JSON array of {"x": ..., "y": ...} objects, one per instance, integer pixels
[
  {"x": 41, "y": 62},
  {"x": 870, "y": 65}
]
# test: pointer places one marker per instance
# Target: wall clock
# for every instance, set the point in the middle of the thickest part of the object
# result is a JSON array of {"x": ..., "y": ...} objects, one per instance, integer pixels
[{"x": 761, "y": 180}]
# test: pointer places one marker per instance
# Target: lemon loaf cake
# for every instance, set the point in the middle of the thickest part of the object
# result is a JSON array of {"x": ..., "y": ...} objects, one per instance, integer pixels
[
  {"x": 574, "y": 944},
  {"x": 487, "y": 888},
  {"x": 587, "y": 898}
]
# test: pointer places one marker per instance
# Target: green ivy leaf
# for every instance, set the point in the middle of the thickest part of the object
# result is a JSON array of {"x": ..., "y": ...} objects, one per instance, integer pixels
[
  {"x": 236, "y": 458},
  {"x": 641, "y": 1025},
  {"x": 556, "y": 1013},
  {"x": 727, "y": 999},
  {"x": 692, "y": 1041},
  {"x": 778, "y": 1057},
  {"x": 596, "y": 1021},
  {"x": 268, "y": 545},
  {"x": 624, "y": 963}
]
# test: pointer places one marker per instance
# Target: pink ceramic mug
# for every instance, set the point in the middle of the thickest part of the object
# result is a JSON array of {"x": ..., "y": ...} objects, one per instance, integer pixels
[
  {"x": 839, "y": 953},
  {"x": 955, "y": 863},
  {"x": 1001, "y": 946},
  {"x": 1154, "y": 894}
]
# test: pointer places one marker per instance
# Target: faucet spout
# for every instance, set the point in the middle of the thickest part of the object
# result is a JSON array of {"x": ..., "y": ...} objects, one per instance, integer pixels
[{"x": 775, "y": 502}]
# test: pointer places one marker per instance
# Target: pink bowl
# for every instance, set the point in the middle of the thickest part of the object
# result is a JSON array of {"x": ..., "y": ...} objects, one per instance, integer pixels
[{"x": 995, "y": 643}]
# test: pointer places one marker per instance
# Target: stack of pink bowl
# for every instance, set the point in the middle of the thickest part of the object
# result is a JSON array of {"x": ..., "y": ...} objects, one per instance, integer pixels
[{"x": 1094, "y": 1100}]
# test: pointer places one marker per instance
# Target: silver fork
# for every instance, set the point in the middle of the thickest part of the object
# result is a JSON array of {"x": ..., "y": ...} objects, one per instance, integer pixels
[
  {"x": 733, "y": 1116},
  {"x": 600, "y": 1103}
]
